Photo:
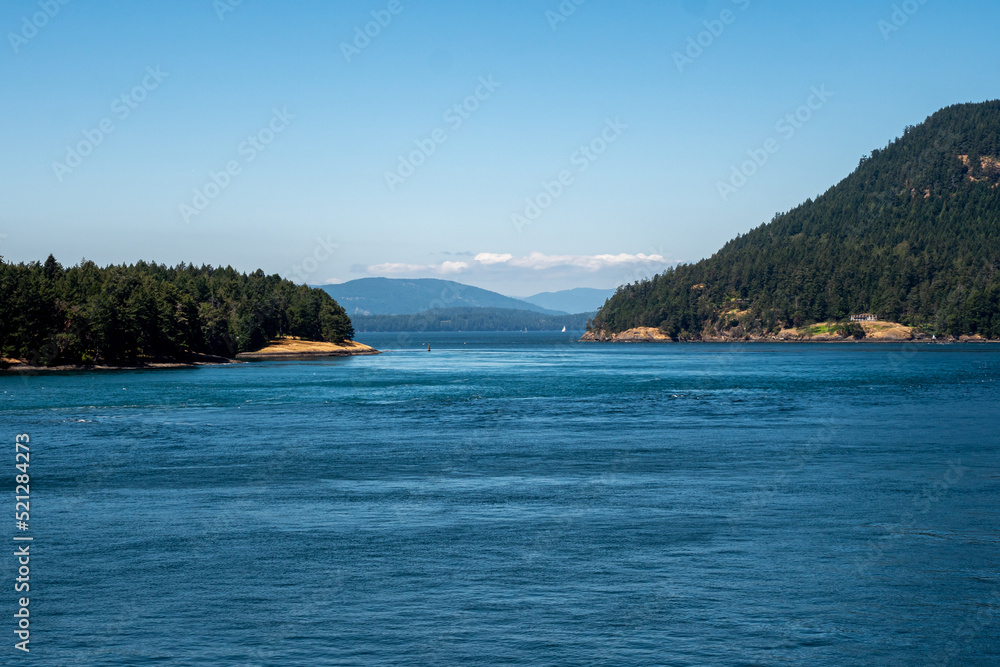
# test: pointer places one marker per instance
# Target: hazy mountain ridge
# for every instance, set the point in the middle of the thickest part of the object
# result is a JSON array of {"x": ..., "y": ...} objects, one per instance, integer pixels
[
  {"x": 393, "y": 296},
  {"x": 577, "y": 300},
  {"x": 470, "y": 319}
]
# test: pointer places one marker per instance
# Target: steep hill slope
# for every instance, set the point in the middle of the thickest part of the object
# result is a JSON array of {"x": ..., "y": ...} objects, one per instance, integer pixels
[{"x": 912, "y": 236}]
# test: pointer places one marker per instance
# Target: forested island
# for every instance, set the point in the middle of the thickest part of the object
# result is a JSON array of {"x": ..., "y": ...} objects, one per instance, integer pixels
[
  {"x": 907, "y": 246},
  {"x": 911, "y": 239},
  {"x": 147, "y": 313}
]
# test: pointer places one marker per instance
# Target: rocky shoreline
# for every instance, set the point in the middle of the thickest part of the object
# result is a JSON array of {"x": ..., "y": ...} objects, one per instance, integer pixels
[
  {"x": 293, "y": 349},
  {"x": 875, "y": 332},
  {"x": 284, "y": 349},
  {"x": 17, "y": 366}
]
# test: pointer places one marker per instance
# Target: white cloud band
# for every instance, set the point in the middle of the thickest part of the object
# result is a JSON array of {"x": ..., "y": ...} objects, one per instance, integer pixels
[{"x": 536, "y": 261}]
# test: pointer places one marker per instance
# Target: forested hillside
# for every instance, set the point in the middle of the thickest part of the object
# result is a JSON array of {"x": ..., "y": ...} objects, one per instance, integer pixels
[
  {"x": 87, "y": 314},
  {"x": 913, "y": 236},
  {"x": 470, "y": 319}
]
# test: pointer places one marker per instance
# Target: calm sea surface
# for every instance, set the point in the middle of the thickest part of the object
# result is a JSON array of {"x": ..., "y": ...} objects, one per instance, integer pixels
[{"x": 517, "y": 499}]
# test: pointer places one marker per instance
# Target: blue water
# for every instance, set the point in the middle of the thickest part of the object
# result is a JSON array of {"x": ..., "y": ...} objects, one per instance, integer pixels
[{"x": 518, "y": 499}]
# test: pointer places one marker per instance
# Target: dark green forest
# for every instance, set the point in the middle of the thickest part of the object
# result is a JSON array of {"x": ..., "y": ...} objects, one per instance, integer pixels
[
  {"x": 471, "y": 319},
  {"x": 913, "y": 235},
  {"x": 86, "y": 314}
]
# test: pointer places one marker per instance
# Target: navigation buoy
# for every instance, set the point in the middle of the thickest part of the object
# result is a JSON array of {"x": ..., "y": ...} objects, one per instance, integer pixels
[{"x": 428, "y": 347}]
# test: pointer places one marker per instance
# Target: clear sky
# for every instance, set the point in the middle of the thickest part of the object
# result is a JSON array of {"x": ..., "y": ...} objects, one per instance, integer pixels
[{"x": 277, "y": 135}]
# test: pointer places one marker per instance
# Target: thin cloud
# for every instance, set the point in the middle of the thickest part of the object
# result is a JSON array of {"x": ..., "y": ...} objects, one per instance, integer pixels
[
  {"x": 442, "y": 268},
  {"x": 490, "y": 258},
  {"x": 396, "y": 268},
  {"x": 536, "y": 261}
]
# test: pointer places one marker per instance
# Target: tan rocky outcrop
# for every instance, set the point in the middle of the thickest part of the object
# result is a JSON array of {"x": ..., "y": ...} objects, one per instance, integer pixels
[{"x": 637, "y": 335}]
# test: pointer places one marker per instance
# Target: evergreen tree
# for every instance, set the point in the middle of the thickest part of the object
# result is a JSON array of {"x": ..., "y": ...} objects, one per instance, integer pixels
[
  {"x": 51, "y": 315},
  {"x": 913, "y": 235}
]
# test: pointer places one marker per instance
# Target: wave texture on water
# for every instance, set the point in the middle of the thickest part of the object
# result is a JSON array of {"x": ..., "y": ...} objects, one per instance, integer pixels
[{"x": 520, "y": 499}]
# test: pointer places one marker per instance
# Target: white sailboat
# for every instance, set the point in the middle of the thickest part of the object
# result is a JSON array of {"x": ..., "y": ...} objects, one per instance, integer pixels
[{"x": 564, "y": 329}]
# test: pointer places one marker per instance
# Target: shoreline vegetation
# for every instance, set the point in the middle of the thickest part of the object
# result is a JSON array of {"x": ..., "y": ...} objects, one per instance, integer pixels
[
  {"x": 289, "y": 349},
  {"x": 824, "y": 332},
  {"x": 147, "y": 315},
  {"x": 24, "y": 367},
  {"x": 909, "y": 237}
]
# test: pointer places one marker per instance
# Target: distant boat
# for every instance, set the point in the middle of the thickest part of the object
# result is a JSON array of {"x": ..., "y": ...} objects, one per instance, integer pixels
[{"x": 564, "y": 330}]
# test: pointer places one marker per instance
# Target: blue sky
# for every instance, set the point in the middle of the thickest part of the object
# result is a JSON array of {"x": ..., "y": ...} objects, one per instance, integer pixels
[{"x": 248, "y": 135}]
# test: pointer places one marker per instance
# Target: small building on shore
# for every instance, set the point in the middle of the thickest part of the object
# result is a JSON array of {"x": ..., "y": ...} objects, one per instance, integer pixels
[{"x": 864, "y": 317}]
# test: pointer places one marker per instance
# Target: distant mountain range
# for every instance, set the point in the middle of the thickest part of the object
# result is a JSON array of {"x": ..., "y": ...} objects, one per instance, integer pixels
[
  {"x": 579, "y": 300},
  {"x": 393, "y": 296},
  {"x": 471, "y": 319}
]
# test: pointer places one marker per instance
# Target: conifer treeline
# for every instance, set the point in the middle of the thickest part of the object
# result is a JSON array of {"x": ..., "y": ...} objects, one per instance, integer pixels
[
  {"x": 913, "y": 236},
  {"x": 470, "y": 319},
  {"x": 87, "y": 314}
]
